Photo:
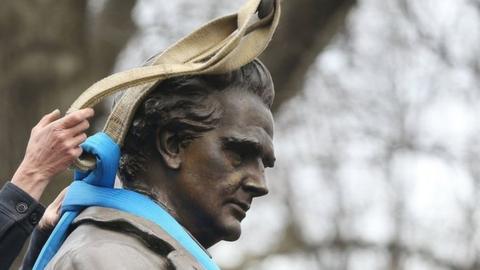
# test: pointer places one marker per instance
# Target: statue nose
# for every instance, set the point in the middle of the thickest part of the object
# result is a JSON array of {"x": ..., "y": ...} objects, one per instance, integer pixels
[{"x": 255, "y": 182}]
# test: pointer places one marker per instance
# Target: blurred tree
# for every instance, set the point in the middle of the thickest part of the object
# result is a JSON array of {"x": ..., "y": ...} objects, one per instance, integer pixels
[
  {"x": 51, "y": 51},
  {"x": 305, "y": 29}
]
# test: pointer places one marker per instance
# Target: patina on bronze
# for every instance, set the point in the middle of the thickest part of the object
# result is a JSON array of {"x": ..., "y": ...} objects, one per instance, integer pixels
[
  {"x": 199, "y": 146},
  {"x": 198, "y": 140}
]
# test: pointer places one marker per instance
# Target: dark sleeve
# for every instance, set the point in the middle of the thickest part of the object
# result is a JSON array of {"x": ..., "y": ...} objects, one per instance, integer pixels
[
  {"x": 19, "y": 213},
  {"x": 39, "y": 237}
]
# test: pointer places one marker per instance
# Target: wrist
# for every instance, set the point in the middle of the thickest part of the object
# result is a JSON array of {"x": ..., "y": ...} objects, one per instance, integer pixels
[{"x": 31, "y": 181}]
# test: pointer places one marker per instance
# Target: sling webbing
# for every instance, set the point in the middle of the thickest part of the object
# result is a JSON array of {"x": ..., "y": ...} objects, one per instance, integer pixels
[{"x": 223, "y": 45}]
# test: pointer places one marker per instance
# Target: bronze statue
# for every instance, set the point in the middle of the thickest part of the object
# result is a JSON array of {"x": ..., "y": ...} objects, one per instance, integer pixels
[{"x": 198, "y": 146}]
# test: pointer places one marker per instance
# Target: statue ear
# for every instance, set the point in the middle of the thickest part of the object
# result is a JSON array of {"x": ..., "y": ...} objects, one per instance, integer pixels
[{"x": 168, "y": 145}]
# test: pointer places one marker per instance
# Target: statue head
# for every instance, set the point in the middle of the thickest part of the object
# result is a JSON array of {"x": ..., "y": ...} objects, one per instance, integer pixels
[{"x": 199, "y": 145}]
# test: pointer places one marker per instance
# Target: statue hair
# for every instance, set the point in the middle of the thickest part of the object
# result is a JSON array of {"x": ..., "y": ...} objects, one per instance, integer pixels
[{"x": 185, "y": 106}]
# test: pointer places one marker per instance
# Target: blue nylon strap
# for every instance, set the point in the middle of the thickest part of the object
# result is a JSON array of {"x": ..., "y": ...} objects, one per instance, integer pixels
[
  {"x": 107, "y": 153},
  {"x": 95, "y": 188},
  {"x": 55, "y": 240}
]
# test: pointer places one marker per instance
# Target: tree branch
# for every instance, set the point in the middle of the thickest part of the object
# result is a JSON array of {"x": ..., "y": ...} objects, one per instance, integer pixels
[{"x": 306, "y": 27}]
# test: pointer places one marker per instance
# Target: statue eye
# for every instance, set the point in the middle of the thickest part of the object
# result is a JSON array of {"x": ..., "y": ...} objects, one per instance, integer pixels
[
  {"x": 236, "y": 158},
  {"x": 239, "y": 152},
  {"x": 235, "y": 153}
]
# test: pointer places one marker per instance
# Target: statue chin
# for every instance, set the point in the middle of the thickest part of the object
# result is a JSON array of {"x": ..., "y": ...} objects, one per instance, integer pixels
[
  {"x": 232, "y": 237},
  {"x": 232, "y": 231}
]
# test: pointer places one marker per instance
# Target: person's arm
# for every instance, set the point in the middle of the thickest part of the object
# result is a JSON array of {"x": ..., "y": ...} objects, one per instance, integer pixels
[
  {"x": 52, "y": 147},
  {"x": 37, "y": 241},
  {"x": 19, "y": 213}
]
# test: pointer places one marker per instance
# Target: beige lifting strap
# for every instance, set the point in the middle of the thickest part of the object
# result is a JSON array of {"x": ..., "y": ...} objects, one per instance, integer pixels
[{"x": 220, "y": 46}]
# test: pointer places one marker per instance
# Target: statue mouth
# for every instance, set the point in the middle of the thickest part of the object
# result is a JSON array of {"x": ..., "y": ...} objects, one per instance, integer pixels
[{"x": 244, "y": 206}]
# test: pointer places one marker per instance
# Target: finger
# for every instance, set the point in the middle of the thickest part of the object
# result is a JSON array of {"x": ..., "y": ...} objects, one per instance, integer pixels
[
  {"x": 77, "y": 151},
  {"x": 80, "y": 128},
  {"x": 77, "y": 140},
  {"x": 49, "y": 118},
  {"x": 59, "y": 199},
  {"x": 75, "y": 118}
]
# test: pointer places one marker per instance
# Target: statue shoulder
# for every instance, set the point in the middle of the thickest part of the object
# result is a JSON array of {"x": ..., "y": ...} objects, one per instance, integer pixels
[
  {"x": 110, "y": 239},
  {"x": 109, "y": 255},
  {"x": 92, "y": 247}
]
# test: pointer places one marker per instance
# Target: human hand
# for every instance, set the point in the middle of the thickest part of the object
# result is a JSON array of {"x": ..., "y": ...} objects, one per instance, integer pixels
[
  {"x": 52, "y": 213},
  {"x": 53, "y": 146}
]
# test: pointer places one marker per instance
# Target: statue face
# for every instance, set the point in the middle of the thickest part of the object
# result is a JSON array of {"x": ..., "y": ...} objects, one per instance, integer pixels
[{"x": 222, "y": 171}]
